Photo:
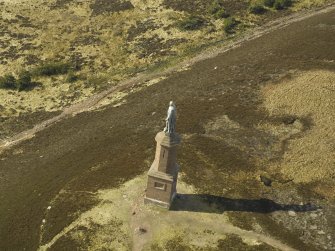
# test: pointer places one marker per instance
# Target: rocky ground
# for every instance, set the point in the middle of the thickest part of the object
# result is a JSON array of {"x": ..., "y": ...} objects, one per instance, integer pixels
[{"x": 257, "y": 158}]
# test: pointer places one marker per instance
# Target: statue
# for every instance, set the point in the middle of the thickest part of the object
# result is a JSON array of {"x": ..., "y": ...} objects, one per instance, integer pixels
[
  {"x": 163, "y": 173},
  {"x": 171, "y": 119}
]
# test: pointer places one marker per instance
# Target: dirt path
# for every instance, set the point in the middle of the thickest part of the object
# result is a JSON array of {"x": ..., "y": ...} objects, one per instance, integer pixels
[{"x": 213, "y": 52}]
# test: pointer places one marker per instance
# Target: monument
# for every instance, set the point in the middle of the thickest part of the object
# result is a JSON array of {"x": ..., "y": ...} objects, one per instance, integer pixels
[{"x": 163, "y": 173}]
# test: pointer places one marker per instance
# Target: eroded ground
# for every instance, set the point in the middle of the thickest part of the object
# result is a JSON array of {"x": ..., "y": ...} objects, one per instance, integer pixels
[{"x": 260, "y": 112}]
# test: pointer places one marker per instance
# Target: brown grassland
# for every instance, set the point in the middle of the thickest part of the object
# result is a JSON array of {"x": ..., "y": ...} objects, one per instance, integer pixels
[{"x": 257, "y": 125}]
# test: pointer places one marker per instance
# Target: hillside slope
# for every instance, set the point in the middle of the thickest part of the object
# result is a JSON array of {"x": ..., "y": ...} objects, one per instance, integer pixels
[{"x": 104, "y": 42}]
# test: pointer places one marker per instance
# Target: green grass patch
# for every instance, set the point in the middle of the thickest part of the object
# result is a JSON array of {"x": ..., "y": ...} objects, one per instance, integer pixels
[
  {"x": 282, "y": 4},
  {"x": 71, "y": 77},
  {"x": 217, "y": 10},
  {"x": 257, "y": 9},
  {"x": 22, "y": 83},
  {"x": 230, "y": 24},
  {"x": 269, "y": 3},
  {"x": 52, "y": 68},
  {"x": 97, "y": 81},
  {"x": 191, "y": 23},
  {"x": 8, "y": 82}
]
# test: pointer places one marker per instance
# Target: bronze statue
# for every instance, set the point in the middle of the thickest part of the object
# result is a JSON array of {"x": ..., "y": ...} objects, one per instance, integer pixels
[{"x": 171, "y": 119}]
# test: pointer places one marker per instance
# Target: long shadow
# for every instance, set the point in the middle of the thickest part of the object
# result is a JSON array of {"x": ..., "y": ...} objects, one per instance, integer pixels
[{"x": 215, "y": 204}]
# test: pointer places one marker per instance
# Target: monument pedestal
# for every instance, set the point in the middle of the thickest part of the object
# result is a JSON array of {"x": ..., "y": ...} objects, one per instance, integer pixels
[{"x": 163, "y": 173}]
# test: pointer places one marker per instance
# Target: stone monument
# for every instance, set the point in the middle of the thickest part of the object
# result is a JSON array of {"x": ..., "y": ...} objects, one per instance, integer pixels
[{"x": 163, "y": 173}]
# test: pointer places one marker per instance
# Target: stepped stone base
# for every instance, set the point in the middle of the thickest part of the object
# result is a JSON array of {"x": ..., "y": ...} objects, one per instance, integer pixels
[{"x": 157, "y": 203}]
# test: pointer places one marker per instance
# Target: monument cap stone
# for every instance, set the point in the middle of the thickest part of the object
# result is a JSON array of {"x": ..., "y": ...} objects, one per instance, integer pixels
[{"x": 168, "y": 139}]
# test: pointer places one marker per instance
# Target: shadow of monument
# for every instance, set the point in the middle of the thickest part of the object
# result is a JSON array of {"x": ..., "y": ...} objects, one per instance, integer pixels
[{"x": 215, "y": 204}]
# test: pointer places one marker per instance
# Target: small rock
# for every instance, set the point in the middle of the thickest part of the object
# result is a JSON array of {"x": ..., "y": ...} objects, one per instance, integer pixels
[
  {"x": 266, "y": 181},
  {"x": 43, "y": 221},
  {"x": 134, "y": 213},
  {"x": 215, "y": 67},
  {"x": 141, "y": 230},
  {"x": 153, "y": 113},
  {"x": 289, "y": 120},
  {"x": 292, "y": 213},
  {"x": 321, "y": 232},
  {"x": 49, "y": 207}
]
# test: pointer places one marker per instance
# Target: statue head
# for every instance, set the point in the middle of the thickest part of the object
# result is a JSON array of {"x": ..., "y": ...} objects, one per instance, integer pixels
[{"x": 171, "y": 103}]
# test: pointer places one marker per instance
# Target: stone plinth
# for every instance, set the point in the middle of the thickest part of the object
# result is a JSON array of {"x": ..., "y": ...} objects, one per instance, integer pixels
[{"x": 163, "y": 173}]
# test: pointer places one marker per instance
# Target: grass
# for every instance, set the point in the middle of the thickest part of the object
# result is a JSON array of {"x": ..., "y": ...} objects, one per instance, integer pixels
[
  {"x": 217, "y": 10},
  {"x": 24, "y": 80},
  {"x": 191, "y": 23},
  {"x": 71, "y": 77},
  {"x": 22, "y": 83},
  {"x": 8, "y": 82},
  {"x": 304, "y": 98},
  {"x": 269, "y": 3},
  {"x": 52, "y": 68},
  {"x": 257, "y": 9},
  {"x": 98, "y": 43},
  {"x": 97, "y": 80},
  {"x": 260, "y": 7},
  {"x": 229, "y": 25},
  {"x": 282, "y": 4}
]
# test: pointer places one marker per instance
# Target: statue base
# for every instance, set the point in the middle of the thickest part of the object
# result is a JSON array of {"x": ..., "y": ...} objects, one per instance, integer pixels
[{"x": 163, "y": 173}]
